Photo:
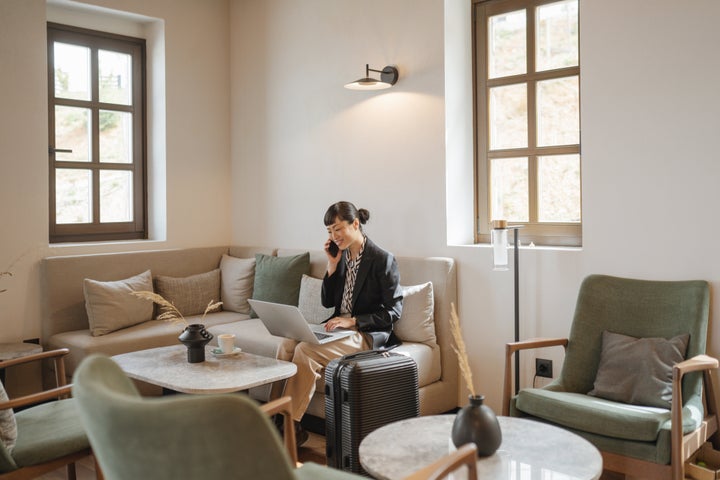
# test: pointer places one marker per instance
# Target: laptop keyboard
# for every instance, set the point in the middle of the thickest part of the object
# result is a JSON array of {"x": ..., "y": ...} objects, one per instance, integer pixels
[{"x": 321, "y": 336}]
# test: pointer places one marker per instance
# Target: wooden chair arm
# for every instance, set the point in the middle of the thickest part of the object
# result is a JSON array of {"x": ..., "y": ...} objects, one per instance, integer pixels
[
  {"x": 282, "y": 406},
  {"x": 60, "y": 352},
  {"x": 465, "y": 455},
  {"x": 513, "y": 347},
  {"x": 33, "y": 398},
  {"x": 697, "y": 363}
]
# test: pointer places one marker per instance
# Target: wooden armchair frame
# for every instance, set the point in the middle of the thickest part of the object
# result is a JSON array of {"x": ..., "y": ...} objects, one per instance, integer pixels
[
  {"x": 62, "y": 390},
  {"x": 682, "y": 446}
]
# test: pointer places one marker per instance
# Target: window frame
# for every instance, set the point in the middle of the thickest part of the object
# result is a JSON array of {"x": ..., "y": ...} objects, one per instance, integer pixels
[
  {"x": 540, "y": 233},
  {"x": 95, "y": 230}
]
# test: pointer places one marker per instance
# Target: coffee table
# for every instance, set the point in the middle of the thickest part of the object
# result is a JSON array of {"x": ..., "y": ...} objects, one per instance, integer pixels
[
  {"x": 168, "y": 367},
  {"x": 529, "y": 451}
]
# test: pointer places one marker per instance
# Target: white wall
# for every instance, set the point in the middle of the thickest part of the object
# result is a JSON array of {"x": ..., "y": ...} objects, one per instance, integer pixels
[
  {"x": 191, "y": 165},
  {"x": 649, "y": 120}
]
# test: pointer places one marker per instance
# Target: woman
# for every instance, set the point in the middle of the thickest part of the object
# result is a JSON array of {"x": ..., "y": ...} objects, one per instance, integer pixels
[{"x": 362, "y": 283}]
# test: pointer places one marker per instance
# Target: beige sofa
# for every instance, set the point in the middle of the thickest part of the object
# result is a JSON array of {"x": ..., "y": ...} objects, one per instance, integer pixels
[{"x": 65, "y": 320}]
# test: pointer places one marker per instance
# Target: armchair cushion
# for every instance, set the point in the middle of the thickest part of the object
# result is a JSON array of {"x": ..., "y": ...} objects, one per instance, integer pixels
[
  {"x": 8, "y": 425},
  {"x": 48, "y": 431},
  {"x": 638, "y": 370}
]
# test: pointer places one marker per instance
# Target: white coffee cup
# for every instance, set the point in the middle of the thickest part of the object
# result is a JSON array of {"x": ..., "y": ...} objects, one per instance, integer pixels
[{"x": 226, "y": 342}]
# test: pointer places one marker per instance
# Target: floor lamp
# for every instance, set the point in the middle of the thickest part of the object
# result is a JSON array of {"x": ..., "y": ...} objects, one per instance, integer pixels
[{"x": 499, "y": 240}]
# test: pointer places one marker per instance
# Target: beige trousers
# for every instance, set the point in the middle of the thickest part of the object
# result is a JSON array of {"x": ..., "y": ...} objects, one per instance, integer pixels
[{"x": 311, "y": 361}]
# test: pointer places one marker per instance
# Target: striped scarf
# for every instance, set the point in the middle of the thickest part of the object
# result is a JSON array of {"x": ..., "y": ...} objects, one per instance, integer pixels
[{"x": 350, "y": 276}]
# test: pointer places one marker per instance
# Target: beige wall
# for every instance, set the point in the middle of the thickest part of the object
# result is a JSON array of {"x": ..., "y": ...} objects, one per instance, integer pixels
[{"x": 261, "y": 138}]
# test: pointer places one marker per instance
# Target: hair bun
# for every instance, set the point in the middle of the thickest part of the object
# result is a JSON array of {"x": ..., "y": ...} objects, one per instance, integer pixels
[{"x": 363, "y": 216}]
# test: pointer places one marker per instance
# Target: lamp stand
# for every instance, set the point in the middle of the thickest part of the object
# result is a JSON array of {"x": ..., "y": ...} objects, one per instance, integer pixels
[{"x": 517, "y": 308}]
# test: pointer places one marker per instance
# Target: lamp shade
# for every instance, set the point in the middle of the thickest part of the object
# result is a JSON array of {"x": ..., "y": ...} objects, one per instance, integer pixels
[{"x": 499, "y": 241}]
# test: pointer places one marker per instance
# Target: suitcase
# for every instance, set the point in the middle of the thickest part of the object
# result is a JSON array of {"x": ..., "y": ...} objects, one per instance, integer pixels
[{"x": 363, "y": 392}]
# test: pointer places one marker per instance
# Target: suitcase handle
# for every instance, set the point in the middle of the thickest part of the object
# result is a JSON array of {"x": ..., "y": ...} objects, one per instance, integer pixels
[{"x": 366, "y": 353}]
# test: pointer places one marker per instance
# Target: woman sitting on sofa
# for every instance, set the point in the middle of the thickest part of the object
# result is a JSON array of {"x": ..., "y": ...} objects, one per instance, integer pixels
[{"x": 362, "y": 283}]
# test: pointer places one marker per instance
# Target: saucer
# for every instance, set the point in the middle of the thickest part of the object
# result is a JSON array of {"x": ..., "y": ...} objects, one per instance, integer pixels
[{"x": 219, "y": 354}]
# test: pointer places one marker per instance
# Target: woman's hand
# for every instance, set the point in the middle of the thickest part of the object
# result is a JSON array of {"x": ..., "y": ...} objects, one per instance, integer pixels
[
  {"x": 340, "y": 322},
  {"x": 332, "y": 260}
]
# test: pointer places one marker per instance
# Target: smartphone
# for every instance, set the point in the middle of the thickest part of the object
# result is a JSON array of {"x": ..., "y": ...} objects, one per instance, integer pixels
[{"x": 333, "y": 249}]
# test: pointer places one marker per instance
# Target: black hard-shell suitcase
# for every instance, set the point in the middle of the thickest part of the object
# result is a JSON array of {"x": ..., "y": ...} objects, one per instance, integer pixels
[{"x": 363, "y": 392}]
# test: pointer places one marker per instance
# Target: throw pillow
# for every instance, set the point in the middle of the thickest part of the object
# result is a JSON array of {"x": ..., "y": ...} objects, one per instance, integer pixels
[
  {"x": 277, "y": 279},
  {"x": 192, "y": 294},
  {"x": 638, "y": 370},
  {"x": 236, "y": 283},
  {"x": 309, "y": 301},
  {"x": 417, "y": 322},
  {"x": 8, "y": 425},
  {"x": 110, "y": 306}
]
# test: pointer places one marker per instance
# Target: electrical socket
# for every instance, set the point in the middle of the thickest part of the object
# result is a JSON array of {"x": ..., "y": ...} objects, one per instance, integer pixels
[{"x": 543, "y": 368}]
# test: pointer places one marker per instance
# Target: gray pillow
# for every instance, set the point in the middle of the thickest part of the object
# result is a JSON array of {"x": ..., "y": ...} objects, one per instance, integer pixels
[
  {"x": 8, "y": 425},
  {"x": 309, "y": 302},
  {"x": 110, "y": 306},
  {"x": 192, "y": 294},
  {"x": 277, "y": 279},
  {"x": 236, "y": 283},
  {"x": 417, "y": 321},
  {"x": 638, "y": 370}
]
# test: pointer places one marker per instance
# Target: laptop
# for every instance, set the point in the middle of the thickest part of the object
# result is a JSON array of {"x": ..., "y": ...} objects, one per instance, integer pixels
[{"x": 287, "y": 321}]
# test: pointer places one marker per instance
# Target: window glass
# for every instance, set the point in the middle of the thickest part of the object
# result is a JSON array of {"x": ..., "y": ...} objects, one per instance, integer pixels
[
  {"x": 73, "y": 196},
  {"x": 509, "y": 178},
  {"x": 72, "y": 132},
  {"x": 72, "y": 71},
  {"x": 115, "y": 137},
  {"x": 557, "y": 35},
  {"x": 558, "y": 111},
  {"x": 507, "y": 44},
  {"x": 115, "y": 82},
  {"x": 116, "y": 196},
  {"x": 559, "y": 188},
  {"x": 508, "y": 117}
]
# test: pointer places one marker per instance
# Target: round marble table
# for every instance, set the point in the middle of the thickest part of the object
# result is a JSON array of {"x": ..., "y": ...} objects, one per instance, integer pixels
[{"x": 529, "y": 451}]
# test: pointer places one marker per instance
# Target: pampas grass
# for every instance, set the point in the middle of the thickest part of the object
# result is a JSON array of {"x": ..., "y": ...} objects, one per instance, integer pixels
[
  {"x": 171, "y": 313},
  {"x": 5, "y": 274},
  {"x": 461, "y": 351}
]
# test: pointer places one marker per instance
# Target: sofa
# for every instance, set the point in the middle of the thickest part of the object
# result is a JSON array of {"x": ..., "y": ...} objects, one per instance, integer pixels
[{"x": 78, "y": 314}]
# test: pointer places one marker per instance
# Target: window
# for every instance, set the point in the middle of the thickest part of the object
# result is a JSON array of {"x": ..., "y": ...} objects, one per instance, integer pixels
[
  {"x": 96, "y": 111},
  {"x": 527, "y": 116}
]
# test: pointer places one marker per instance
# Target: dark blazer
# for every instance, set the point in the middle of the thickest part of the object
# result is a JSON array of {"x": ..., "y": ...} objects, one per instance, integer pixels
[{"x": 377, "y": 298}]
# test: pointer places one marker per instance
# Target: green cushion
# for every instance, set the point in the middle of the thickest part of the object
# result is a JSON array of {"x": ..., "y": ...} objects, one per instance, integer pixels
[
  {"x": 277, "y": 279},
  {"x": 48, "y": 431}
]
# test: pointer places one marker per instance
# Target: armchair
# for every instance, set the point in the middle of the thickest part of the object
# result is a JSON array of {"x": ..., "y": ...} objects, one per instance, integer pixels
[
  {"x": 639, "y": 440},
  {"x": 49, "y": 434},
  {"x": 198, "y": 436}
]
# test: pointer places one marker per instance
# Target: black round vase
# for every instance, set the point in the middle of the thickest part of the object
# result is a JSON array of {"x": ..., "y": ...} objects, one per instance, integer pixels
[
  {"x": 195, "y": 337},
  {"x": 477, "y": 423}
]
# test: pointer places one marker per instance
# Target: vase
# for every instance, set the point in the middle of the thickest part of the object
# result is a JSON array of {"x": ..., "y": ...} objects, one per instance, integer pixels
[
  {"x": 195, "y": 337},
  {"x": 477, "y": 423}
]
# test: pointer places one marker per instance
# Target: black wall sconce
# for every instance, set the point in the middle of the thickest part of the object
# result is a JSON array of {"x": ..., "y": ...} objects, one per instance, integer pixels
[{"x": 388, "y": 78}]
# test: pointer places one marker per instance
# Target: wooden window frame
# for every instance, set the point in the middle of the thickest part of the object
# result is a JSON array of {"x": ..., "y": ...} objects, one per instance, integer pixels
[
  {"x": 540, "y": 233},
  {"x": 95, "y": 230}
]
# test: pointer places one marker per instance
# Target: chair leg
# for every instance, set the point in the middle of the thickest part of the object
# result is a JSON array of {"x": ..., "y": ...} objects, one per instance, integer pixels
[
  {"x": 98, "y": 471},
  {"x": 71, "y": 475}
]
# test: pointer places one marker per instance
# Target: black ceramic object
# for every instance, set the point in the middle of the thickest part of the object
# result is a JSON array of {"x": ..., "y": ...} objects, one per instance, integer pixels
[
  {"x": 477, "y": 423},
  {"x": 195, "y": 337}
]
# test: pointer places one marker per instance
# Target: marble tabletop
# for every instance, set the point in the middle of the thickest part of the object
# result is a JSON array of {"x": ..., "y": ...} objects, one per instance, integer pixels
[
  {"x": 168, "y": 367},
  {"x": 529, "y": 451}
]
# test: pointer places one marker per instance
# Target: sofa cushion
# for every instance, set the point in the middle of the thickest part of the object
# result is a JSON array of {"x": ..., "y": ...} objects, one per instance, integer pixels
[
  {"x": 638, "y": 370},
  {"x": 190, "y": 295},
  {"x": 309, "y": 301},
  {"x": 594, "y": 415},
  {"x": 110, "y": 306},
  {"x": 277, "y": 279},
  {"x": 8, "y": 426},
  {"x": 236, "y": 283},
  {"x": 417, "y": 323}
]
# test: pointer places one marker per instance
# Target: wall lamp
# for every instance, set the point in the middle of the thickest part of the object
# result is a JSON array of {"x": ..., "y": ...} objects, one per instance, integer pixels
[{"x": 388, "y": 78}]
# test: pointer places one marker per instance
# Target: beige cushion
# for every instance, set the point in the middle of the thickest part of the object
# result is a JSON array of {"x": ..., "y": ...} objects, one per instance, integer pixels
[
  {"x": 192, "y": 294},
  {"x": 236, "y": 283},
  {"x": 309, "y": 302},
  {"x": 110, "y": 306},
  {"x": 638, "y": 370},
  {"x": 417, "y": 324},
  {"x": 8, "y": 425}
]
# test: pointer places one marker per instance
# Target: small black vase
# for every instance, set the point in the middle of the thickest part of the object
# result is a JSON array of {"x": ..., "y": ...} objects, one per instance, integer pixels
[
  {"x": 477, "y": 423},
  {"x": 195, "y": 337}
]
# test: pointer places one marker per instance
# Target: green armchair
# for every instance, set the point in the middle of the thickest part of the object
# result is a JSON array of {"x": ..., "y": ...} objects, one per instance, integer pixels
[
  {"x": 198, "y": 436},
  {"x": 640, "y": 438},
  {"x": 49, "y": 432}
]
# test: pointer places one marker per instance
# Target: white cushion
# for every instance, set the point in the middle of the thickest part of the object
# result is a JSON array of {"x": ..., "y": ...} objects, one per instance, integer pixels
[
  {"x": 417, "y": 323},
  {"x": 309, "y": 301},
  {"x": 236, "y": 283},
  {"x": 110, "y": 306}
]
